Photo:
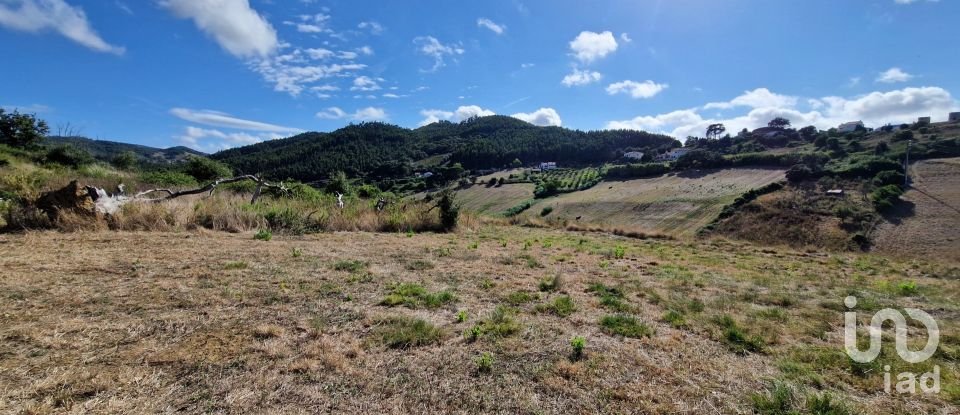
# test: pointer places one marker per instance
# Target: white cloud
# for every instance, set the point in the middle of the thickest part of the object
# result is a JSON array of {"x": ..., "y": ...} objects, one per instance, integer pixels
[
  {"x": 221, "y": 119},
  {"x": 590, "y": 46},
  {"x": 875, "y": 109},
  {"x": 27, "y": 109},
  {"x": 54, "y": 15},
  {"x": 645, "y": 89},
  {"x": 363, "y": 114},
  {"x": 365, "y": 83},
  {"x": 292, "y": 77},
  {"x": 581, "y": 77},
  {"x": 374, "y": 27},
  {"x": 542, "y": 117},
  {"x": 527, "y": 65},
  {"x": 232, "y": 23},
  {"x": 758, "y": 98},
  {"x": 625, "y": 38},
  {"x": 489, "y": 24},
  {"x": 893, "y": 75},
  {"x": 212, "y": 140},
  {"x": 430, "y": 46},
  {"x": 316, "y": 23},
  {"x": 319, "y": 53},
  {"x": 365, "y": 50},
  {"x": 347, "y": 55},
  {"x": 461, "y": 113},
  {"x": 913, "y": 1}
]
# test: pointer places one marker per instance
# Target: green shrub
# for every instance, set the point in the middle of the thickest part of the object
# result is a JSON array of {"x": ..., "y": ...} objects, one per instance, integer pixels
[
  {"x": 519, "y": 298},
  {"x": 777, "y": 401},
  {"x": 206, "y": 170},
  {"x": 578, "y": 343},
  {"x": 263, "y": 235},
  {"x": 449, "y": 210},
  {"x": 168, "y": 178},
  {"x": 885, "y": 197},
  {"x": 516, "y": 210},
  {"x": 68, "y": 155},
  {"x": 461, "y": 316},
  {"x": 888, "y": 177},
  {"x": 624, "y": 325},
  {"x": 546, "y": 210},
  {"x": 485, "y": 362},
  {"x": 125, "y": 160},
  {"x": 674, "y": 318}
]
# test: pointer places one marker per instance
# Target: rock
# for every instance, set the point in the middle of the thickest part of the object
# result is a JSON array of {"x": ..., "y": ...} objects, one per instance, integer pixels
[{"x": 73, "y": 198}]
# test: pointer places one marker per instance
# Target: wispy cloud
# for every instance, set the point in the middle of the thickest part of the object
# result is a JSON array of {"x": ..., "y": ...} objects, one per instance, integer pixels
[
  {"x": 36, "y": 16},
  {"x": 893, "y": 75},
  {"x": 489, "y": 24},
  {"x": 430, "y": 46},
  {"x": 222, "y": 119}
]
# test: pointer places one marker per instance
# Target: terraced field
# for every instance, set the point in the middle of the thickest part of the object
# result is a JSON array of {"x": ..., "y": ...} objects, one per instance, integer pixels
[
  {"x": 677, "y": 204},
  {"x": 494, "y": 200}
]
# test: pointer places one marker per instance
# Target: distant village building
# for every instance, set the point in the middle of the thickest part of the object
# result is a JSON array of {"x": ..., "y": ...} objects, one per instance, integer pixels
[
  {"x": 423, "y": 175},
  {"x": 923, "y": 120},
  {"x": 954, "y": 117},
  {"x": 634, "y": 155},
  {"x": 549, "y": 165},
  {"x": 674, "y": 154},
  {"x": 849, "y": 127},
  {"x": 835, "y": 192}
]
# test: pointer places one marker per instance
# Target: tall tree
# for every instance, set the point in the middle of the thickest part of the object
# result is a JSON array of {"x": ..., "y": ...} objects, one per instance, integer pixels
[
  {"x": 715, "y": 131},
  {"x": 779, "y": 122},
  {"x": 21, "y": 130}
]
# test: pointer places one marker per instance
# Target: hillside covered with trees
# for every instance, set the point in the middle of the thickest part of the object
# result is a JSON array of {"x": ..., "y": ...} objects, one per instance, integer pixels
[{"x": 378, "y": 150}]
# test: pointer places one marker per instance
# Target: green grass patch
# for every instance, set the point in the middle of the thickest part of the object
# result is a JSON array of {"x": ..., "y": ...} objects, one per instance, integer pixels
[
  {"x": 625, "y": 325},
  {"x": 500, "y": 323},
  {"x": 415, "y": 296},
  {"x": 404, "y": 332},
  {"x": 561, "y": 306}
]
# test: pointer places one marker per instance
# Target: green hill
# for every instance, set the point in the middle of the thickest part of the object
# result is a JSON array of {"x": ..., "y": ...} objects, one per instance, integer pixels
[
  {"x": 106, "y": 150},
  {"x": 378, "y": 150}
]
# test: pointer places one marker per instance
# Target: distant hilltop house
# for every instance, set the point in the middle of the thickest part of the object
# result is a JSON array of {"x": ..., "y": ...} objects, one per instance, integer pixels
[
  {"x": 634, "y": 155},
  {"x": 849, "y": 127},
  {"x": 923, "y": 120},
  {"x": 424, "y": 175},
  {"x": 954, "y": 117},
  {"x": 674, "y": 154},
  {"x": 549, "y": 165}
]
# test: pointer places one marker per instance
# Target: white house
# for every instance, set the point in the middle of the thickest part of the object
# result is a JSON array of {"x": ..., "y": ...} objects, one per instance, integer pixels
[
  {"x": 674, "y": 154},
  {"x": 634, "y": 155},
  {"x": 549, "y": 165},
  {"x": 849, "y": 127}
]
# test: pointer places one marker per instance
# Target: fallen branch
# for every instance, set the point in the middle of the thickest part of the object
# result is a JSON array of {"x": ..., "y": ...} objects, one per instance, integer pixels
[{"x": 209, "y": 189}]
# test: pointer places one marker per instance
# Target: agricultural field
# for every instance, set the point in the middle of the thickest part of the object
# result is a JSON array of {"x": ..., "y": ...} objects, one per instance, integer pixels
[
  {"x": 925, "y": 226},
  {"x": 675, "y": 204},
  {"x": 494, "y": 200},
  {"x": 501, "y": 319},
  {"x": 570, "y": 180}
]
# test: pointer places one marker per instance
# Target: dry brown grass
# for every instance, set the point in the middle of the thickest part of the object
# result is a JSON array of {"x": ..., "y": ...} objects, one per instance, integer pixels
[{"x": 127, "y": 322}]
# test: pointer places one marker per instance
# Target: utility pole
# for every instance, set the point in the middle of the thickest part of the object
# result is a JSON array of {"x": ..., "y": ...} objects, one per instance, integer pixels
[{"x": 906, "y": 166}]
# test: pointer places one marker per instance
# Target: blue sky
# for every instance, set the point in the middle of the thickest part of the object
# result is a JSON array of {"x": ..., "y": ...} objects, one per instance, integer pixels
[{"x": 213, "y": 74}]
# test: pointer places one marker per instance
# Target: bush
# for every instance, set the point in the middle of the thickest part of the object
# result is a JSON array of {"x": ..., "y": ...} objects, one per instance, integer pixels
[
  {"x": 578, "y": 343},
  {"x": 561, "y": 306},
  {"x": 125, "y": 160},
  {"x": 637, "y": 170},
  {"x": 263, "y": 235},
  {"x": 368, "y": 191},
  {"x": 485, "y": 362},
  {"x": 169, "y": 178},
  {"x": 799, "y": 173},
  {"x": 449, "y": 211},
  {"x": 888, "y": 177},
  {"x": 885, "y": 197},
  {"x": 67, "y": 155},
  {"x": 338, "y": 183},
  {"x": 546, "y": 211},
  {"x": 206, "y": 170},
  {"x": 903, "y": 135}
]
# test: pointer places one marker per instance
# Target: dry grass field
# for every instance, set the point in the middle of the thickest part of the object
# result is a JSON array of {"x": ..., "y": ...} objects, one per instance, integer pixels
[
  {"x": 676, "y": 204},
  {"x": 927, "y": 226},
  {"x": 474, "y": 322}
]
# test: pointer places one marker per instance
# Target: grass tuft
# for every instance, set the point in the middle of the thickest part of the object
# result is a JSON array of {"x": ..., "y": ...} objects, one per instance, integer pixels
[
  {"x": 626, "y": 326},
  {"x": 404, "y": 332}
]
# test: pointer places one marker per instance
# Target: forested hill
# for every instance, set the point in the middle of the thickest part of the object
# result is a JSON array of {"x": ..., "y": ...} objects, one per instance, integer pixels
[
  {"x": 384, "y": 150},
  {"x": 107, "y": 150}
]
